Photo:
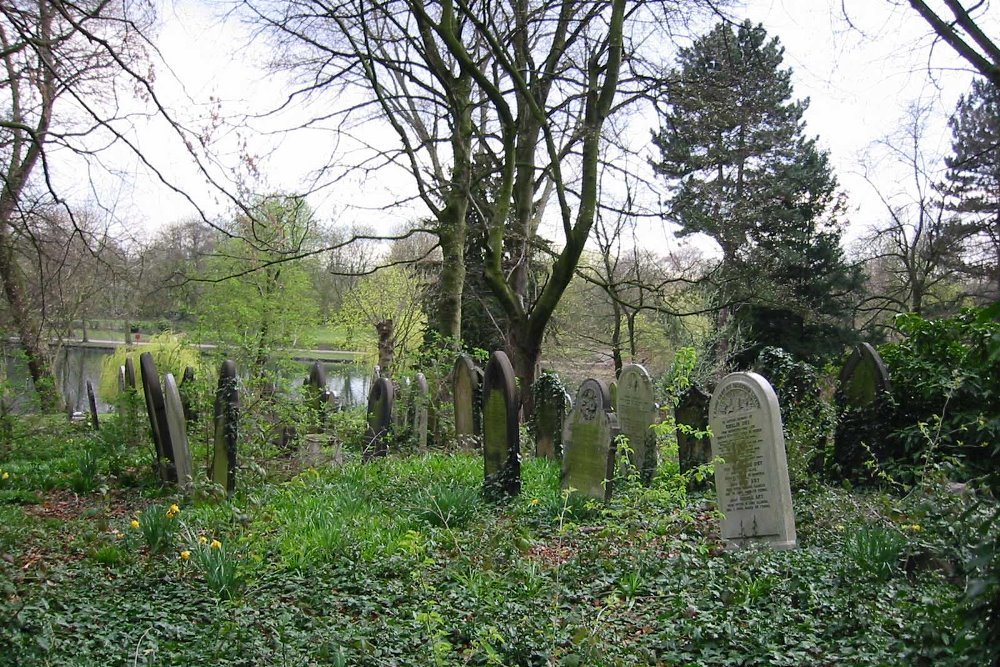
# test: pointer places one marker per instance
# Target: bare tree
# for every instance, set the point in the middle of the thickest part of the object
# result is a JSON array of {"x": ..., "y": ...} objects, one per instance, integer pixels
[{"x": 963, "y": 33}]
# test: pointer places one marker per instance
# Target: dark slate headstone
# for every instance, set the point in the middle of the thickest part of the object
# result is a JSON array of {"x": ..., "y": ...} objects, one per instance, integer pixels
[
  {"x": 754, "y": 493},
  {"x": 380, "y": 406},
  {"x": 157, "y": 411},
  {"x": 589, "y": 442},
  {"x": 637, "y": 412},
  {"x": 92, "y": 404},
  {"x": 465, "y": 385},
  {"x": 863, "y": 377},
  {"x": 551, "y": 407},
  {"x": 227, "y": 415},
  {"x": 177, "y": 428},
  {"x": 501, "y": 436},
  {"x": 130, "y": 373},
  {"x": 691, "y": 416},
  {"x": 186, "y": 388},
  {"x": 421, "y": 403}
]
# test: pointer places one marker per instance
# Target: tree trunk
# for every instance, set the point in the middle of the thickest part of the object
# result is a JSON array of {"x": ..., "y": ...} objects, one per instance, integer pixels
[{"x": 526, "y": 352}]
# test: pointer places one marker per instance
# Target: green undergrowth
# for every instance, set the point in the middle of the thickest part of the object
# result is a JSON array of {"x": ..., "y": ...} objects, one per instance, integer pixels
[{"x": 401, "y": 562}]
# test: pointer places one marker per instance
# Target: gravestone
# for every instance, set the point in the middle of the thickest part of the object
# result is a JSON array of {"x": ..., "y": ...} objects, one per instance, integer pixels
[
  {"x": 157, "y": 411},
  {"x": 227, "y": 414},
  {"x": 130, "y": 374},
  {"x": 465, "y": 385},
  {"x": 551, "y": 407},
  {"x": 402, "y": 408},
  {"x": 691, "y": 416},
  {"x": 589, "y": 442},
  {"x": 637, "y": 412},
  {"x": 864, "y": 417},
  {"x": 501, "y": 436},
  {"x": 613, "y": 394},
  {"x": 186, "y": 389},
  {"x": 177, "y": 428},
  {"x": 121, "y": 379},
  {"x": 421, "y": 402},
  {"x": 380, "y": 406},
  {"x": 752, "y": 483},
  {"x": 92, "y": 404}
]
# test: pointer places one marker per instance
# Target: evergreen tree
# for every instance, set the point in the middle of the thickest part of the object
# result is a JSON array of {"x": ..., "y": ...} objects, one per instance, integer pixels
[
  {"x": 974, "y": 176},
  {"x": 740, "y": 169}
]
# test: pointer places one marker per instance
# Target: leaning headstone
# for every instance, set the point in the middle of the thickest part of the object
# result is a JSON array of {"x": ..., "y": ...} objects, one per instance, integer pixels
[
  {"x": 177, "y": 428},
  {"x": 691, "y": 419},
  {"x": 130, "y": 373},
  {"x": 157, "y": 411},
  {"x": 464, "y": 387},
  {"x": 227, "y": 414},
  {"x": 589, "y": 442},
  {"x": 186, "y": 388},
  {"x": 754, "y": 495},
  {"x": 637, "y": 412},
  {"x": 121, "y": 379},
  {"x": 864, "y": 417},
  {"x": 380, "y": 406},
  {"x": 551, "y": 406},
  {"x": 421, "y": 402},
  {"x": 501, "y": 436},
  {"x": 92, "y": 404}
]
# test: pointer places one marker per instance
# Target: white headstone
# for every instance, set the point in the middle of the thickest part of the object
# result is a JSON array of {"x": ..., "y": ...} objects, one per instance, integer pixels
[
  {"x": 754, "y": 494},
  {"x": 177, "y": 427}
]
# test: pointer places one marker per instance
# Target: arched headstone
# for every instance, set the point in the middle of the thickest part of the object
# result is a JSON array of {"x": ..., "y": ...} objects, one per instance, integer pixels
[
  {"x": 157, "y": 411},
  {"x": 637, "y": 412},
  {"x": 754, "y": 494},
  {"x": 501, "y": 436},
  {"x": 227, "y": 414},
  {"x": 177, "y": 428},
  {"x": 465, "y": 385},
  {"x": 380, "y": 406},
  {"x": 864, "y": 416},
  {"x": 551, "y": 407},
  {"x": 863, "y": 377},
  {"x": 92, "y": 404},
  {"x": 691, "y": 417},
  {"x": 589, "y": 442}
]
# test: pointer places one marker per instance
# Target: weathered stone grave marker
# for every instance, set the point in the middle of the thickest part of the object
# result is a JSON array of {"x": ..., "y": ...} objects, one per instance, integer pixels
[
  {"x": 130, "y": 373},
  {"x": 186, "y": 388},
  {"x": 613, "y": 394},
  {"x": 754, "y": 493},
  {"x": 863, "y": 411},
  {"x": 121, "y": 379},
  {"x": 465, "y": 385},
  {"x": 177, "y": 428},
  {"x": 421, "y": 403},
  {"x": 157, "y": 411},
  {"x": 551, "y": 407},
  {"x": 691, "y": 417},
  {"x": 501, "y": 436},
  {"x": 92, "y": 404},
  {"x": 863, "y": 377},
  {"x": 637, "y": 412},
  {"x": 380, "y": 406},
  {"x": 227, "y": 414},
  {"x": 589, "y": 442}
]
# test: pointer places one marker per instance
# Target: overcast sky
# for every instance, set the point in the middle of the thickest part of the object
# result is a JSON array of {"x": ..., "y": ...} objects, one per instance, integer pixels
[{"x": 860, "y": 78}]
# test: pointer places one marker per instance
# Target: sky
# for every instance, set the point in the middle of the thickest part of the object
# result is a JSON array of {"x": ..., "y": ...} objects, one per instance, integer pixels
[{"x": 861, "y": 63}]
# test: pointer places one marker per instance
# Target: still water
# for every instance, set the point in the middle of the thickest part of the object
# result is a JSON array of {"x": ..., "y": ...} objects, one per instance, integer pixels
[{"x": 75, "y": 365}]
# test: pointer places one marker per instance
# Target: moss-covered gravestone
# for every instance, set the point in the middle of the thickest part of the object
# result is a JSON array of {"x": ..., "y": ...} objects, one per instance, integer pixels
[
  {"x": 421, "y": 403},
  {"x": 177, "y": 428},
  {"x": 754, "y": 494},
  {"x": 694, "y": 447},
  {"x": 227, "y": 416},
  {"x": 551, "y": 407},
  {"x": 465, "y": 386},
  {"x": 637, "y": 412},
  {"x": 864, "y": 412},
  {"x": 501, "y": 436},
  {"x": 589, "y": 442},
  {"x": 613, "y": 394},
  {"x": 380, "y": 406},
  {"x": 92, "y": 404},
  {"x": 157, "y": 411}
]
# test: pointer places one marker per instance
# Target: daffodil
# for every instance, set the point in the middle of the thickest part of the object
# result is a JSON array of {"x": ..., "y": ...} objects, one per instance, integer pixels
[
  {"x": 185, "y": 554},
  {"x": 535, "y": 501},
  {"x": 216, "y": 544},
  {"x": 135, "y": 523},
  {"x": 6, "y": 475},
  {"x": 202, "y": 539}
]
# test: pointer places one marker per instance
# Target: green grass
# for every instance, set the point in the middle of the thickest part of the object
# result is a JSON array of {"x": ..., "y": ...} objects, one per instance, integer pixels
[{"x": 402, "y": 562}]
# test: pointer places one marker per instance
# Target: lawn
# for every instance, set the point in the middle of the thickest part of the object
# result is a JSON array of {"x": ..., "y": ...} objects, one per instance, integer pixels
[{"x": 401, "y": 562}]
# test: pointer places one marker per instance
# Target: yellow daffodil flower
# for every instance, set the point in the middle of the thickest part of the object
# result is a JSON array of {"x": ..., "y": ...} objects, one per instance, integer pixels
[
  {"x": 202, "y": 539},
  {"x": 535, "y": 501},
  {"x": 216, "y": 544},
  {"x": 6, "y": 475},
  {"x": 135, "y": 523},
  {"x": 185, "y": 554}
]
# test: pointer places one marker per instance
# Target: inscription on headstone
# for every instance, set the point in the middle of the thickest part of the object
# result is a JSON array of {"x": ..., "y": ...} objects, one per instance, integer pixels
[
  {"x": 177, "y": 428},
  {"x": 752, "y": 483},
  {"x": 637, "y": 412},
  {"x": 380, "y": 406},
  {"x": 501, "y": 436},
  {"x": 227, "y": 413},
  {"x": 589, "y": 442}
]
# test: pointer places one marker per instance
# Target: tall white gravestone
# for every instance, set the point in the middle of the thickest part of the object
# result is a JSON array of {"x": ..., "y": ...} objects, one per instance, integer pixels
[{"x": 754, "y": 494}]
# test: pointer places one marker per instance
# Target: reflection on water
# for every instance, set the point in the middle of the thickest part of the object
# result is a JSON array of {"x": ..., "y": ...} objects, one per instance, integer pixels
[{"x": 75, "y": 365}]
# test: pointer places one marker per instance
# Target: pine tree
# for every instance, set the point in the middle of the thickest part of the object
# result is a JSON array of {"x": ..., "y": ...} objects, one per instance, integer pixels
[
  {"x": 974, "y": 177},
  {"x": 740, "y": 169}
]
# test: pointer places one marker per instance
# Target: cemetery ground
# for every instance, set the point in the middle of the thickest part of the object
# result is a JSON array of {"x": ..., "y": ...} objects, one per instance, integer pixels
[{"x": 402, "y": 562}]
